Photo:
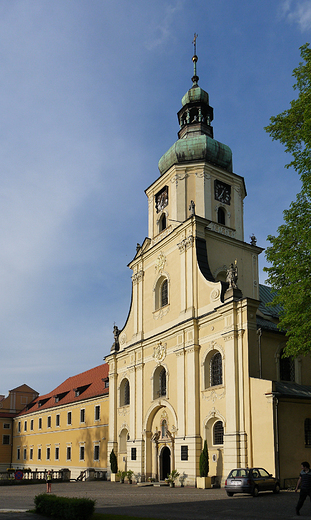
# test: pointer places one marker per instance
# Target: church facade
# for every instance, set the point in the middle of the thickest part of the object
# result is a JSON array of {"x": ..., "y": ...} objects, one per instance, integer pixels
[{"x": 199, "y": 354}]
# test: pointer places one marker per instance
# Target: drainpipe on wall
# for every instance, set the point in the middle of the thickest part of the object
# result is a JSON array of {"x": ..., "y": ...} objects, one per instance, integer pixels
[
  {"x": 276, "y": 437},
  {"x": 259, "y": 333}
]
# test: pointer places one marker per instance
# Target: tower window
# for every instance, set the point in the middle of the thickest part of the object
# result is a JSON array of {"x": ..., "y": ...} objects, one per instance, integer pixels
[
  {"x": 162, "y": 223},
  {"x": 221, "y": 217}
]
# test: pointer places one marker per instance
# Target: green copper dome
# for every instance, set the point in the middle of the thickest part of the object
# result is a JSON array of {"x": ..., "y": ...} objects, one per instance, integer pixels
[
  {"x": 196, "y": 138},
  {"x": 198, "y": 148},
  {"x": 195, "y": 95}
]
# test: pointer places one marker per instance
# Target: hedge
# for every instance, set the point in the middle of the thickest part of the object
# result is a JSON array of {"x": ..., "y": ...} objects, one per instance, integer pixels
[{"x": 64, "y": 508}]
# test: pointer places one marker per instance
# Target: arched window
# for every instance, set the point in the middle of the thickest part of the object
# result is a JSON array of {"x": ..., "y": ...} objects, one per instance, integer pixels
[
  {"x": 162, "y": 382},
  {"x": 287, "y": 368},
  {"x": 163, "y": 428},
  {"x": 125, "y": 393},
  {"x": 161, "y": 290},
  {"x": 159, "y": 382},
  {"x": 216, "y": 369},
  {"x": 221, "y": 216},
  {"x": 162, "y": 223},
  {"x": 164, "y": 294},
  {"x": 218, "y": 433},
  {"x": 123, "y": 440},
  {"x": 307, "y": 432}
]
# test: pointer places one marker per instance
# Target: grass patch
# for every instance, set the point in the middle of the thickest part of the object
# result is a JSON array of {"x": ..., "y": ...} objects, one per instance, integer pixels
[{"x": 103, "y": 516}]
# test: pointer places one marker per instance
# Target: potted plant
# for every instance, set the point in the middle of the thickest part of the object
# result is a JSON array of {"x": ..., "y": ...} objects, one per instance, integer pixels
[
  {"x": 121, "y": 476},
  {"x": 172, "y": 477},
  {"x": 114, "y": 467},
  {"x": 204, "y": 481},
  {"x": 129, "y": 475}
]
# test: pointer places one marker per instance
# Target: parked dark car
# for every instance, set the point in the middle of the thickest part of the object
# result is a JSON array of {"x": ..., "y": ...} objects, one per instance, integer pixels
[{"x": 250, "y": 480}]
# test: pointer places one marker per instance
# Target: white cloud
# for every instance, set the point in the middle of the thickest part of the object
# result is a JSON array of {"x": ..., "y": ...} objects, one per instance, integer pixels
[
  {"x": 163, "y": 31},
  {"x": 298, "y": 12}
]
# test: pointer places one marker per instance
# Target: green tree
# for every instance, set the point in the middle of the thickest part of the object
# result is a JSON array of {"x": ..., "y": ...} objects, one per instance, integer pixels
[
  {"x": 290, "y": 251},
  {"x": 204, "y": 462},
  {"x": 113, "y": 462}
]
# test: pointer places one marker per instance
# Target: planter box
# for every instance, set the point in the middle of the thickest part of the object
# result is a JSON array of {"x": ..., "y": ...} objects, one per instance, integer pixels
[
  {"x": 114, "y": 477},
  {"x": 204, "y": 482}
]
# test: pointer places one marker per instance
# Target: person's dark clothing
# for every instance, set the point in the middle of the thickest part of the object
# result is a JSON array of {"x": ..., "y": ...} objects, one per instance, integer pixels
[{"x": 305, "y": 489}]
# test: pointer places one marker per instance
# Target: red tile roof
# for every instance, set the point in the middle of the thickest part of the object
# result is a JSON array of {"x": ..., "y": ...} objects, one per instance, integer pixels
[{"x": 89, "y": 384}]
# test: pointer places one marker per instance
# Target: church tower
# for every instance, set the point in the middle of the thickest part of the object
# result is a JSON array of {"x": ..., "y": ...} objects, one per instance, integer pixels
[{"x": 176, "y": 367}]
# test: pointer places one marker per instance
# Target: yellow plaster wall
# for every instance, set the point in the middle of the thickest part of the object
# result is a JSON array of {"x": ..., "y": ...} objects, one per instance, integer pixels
[
  {"x": 293, "y": 451},
  {"x": 73, "y": 435},
  {"x": 262, "y": 430}
]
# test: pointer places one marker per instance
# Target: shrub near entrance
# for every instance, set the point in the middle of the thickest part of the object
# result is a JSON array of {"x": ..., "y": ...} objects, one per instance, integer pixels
[{"x": 63, "y": 507}]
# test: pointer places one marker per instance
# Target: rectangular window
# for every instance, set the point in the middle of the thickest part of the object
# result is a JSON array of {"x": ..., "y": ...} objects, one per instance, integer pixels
[
  {"x": 18, "y": 455},
  {"x": 31, "y": 424},
  {"x": 48, "y": 453},
  {"x": 82, "y": 415},
  {"x": 81, "y": 452},
  {"x": 106, "y": 384},
  {"x": 69, "y": 418},
  {"x": 57, "y": 420},
  {"x": 97, "y": 412},
  {"x": 40, "y": 423},
  {"x": 96, "y": 452},
  {"x": 133, "y": 453},
  {"x": 25, "y": 426},
  {"x": 6, "y": 426},
  {"x": 184, "y": 453},
  {"x": 25, "y": 453},
  {"x": 6, "y": 439},
  {"x": 56, "y": 452},
  {"x": 19, "y": 427},
  {"x": 68, "y": 452},
  {"x": 31, "y": 453},
  {"x": 39, "y": 453},
  {"x": 49, "y": 423}
]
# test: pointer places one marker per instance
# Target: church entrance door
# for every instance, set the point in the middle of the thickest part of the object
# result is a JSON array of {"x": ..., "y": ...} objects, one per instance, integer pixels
[{"x": 165, "y": 463}]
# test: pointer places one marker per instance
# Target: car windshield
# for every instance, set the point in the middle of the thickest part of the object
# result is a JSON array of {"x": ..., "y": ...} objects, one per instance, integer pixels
[{"x": 241, "y": 472}]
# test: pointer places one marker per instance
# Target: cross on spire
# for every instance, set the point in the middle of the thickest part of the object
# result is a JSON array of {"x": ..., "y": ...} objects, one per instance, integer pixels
[{"x": 195, "y": 43}]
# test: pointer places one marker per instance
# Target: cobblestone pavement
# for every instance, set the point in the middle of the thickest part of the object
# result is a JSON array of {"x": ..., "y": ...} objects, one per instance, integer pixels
[{"x": 156, "y": 502}]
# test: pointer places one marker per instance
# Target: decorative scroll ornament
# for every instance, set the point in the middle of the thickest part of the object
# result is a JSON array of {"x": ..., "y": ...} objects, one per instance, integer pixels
[
  {"x": 160, "y": 263},
  {"x": 159, "y": 352},
  {"x": 185, "y": 244}
]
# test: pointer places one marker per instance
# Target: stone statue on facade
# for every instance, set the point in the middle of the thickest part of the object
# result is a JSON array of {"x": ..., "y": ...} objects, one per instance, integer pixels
[
  {"x": 192, "y": 208},
  {"x": 116, "y": 345},
  {"x": 253, "y": 240},
  {"x": 232, "y": 275}
]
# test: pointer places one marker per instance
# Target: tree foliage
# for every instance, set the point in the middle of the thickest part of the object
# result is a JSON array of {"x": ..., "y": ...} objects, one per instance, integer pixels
[
  {"x": 113, "y": 462},
  {"x": 204, "y": 462},
  {"x": 290, "y": 251}
]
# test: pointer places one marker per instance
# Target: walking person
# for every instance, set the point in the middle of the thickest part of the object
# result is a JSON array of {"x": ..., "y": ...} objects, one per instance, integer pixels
[
  {"x": 49, "y": 481},
  {"x": 304, "y": 482}
]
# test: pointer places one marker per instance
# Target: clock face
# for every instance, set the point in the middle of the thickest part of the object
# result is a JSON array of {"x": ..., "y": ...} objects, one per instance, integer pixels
[
  {"x": 222, "y": 192},
  {"x": 162, "y": 199}
]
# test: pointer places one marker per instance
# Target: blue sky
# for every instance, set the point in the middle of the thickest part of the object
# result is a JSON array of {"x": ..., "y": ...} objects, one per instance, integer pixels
[{"x": 89, "y": 92}]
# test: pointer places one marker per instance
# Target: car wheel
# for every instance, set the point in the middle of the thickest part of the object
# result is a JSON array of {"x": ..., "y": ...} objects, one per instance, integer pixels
[
  {"x": 255, "y": 491},
  {"x": 276, "y": 488},
  {"x": 229, "y": 493}
]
